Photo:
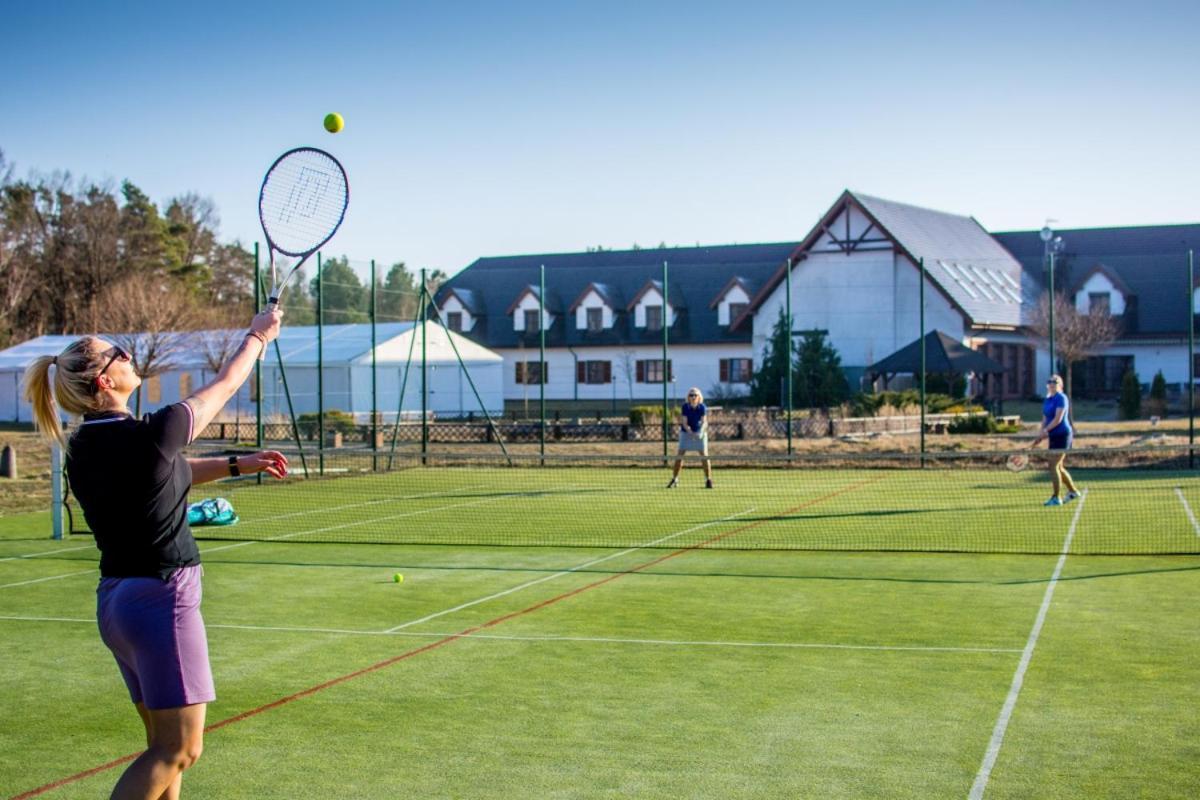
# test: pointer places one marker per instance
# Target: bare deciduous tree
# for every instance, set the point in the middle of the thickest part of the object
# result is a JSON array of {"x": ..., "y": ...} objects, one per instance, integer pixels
[
  {"x": 1076, "y": 335},
  {"x": 152, "y": 320}
]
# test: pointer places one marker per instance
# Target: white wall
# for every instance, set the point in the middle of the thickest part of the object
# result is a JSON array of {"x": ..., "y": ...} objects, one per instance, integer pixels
[
  {"x": 692, "y": 365},
  {"x": 868, "y": 301}
]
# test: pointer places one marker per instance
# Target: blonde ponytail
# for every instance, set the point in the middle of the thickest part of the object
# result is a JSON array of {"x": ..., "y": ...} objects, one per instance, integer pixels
[{"x": 75, "y": 370}]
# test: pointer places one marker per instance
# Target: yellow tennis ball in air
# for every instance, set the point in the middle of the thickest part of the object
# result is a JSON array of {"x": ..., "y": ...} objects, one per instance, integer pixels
[
  {"x": 334, "y": 122},
  {"x": 398, "y": 578}
]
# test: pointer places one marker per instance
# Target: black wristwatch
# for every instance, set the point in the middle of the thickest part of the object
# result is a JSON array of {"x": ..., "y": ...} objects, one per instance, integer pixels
[{"x": 233, "y": 467}]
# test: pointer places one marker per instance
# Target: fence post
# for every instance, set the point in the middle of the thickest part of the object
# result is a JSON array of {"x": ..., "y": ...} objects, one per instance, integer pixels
[
  {"x": 320, "y": 370},
  {"x": 788, "y": 300},
  {"x": 258, "y": 404},
  {"x": 374, "y": 380},
  {"x": 922, "y": 316},
  {"x": 1191, "y": 359},
  {"x": 542, "y": 371}
]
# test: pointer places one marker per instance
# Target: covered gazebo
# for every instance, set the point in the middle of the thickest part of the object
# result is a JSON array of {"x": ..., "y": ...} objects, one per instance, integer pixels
[{"x": 944, "y": 355}]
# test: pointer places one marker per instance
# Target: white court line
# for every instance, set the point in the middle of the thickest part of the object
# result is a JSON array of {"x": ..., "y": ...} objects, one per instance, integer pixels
[
  {"x": 51, "y": 578},
  {"x": 1188, "y": 509},
  {"x": 367, "y": 503},
  {"x": 579, "y": 639},
  {"x": 372, "y": 521},
  {"x": 576, "y": 568},
  {"x": 1010, "y": 702},
  {"x": 48, "y": 552},
  {"x": 313, "y": 530}
]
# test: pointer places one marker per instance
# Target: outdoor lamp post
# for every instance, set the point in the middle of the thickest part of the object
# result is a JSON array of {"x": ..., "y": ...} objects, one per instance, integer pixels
[{"x": 1051, "y": 245}]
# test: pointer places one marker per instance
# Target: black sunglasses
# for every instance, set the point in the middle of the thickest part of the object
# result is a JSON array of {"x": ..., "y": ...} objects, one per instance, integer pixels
[{"x": 117, "y": 352}]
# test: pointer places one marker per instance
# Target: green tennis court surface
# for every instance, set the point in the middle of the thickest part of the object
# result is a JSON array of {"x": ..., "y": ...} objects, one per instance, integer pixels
[{"x": 676, "y": 660}]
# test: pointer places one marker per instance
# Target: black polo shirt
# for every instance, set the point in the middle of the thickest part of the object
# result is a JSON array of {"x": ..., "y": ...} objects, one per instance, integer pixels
[{"x": 132, "y": 481}]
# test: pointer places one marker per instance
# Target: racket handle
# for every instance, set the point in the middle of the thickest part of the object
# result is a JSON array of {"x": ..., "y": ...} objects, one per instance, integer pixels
[{"x": 272, "y": 304}]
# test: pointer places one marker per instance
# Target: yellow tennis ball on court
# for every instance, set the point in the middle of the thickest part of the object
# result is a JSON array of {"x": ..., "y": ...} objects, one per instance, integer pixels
[
  {"x": 334, "y": 122},
  {"x": 398, "y": 578}
]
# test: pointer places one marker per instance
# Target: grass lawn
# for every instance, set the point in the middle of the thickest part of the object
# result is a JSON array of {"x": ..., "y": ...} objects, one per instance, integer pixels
[{"x": 674, "y": 670}]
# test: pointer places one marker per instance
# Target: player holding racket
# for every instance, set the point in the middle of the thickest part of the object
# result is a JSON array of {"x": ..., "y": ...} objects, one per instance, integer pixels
[
  {"x": 1056, "y": 426},
  {"x": 693, "y": 436},
  {"x": 132, "y": 480}
]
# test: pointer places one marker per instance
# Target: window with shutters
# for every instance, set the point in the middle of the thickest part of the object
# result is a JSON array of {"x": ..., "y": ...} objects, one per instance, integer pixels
[
  {"x": 594, "y": 372},
  {"x": 651, "y": 371},
  {"x": 531, "y": 372},
  {"x": 735, "y": 370}
]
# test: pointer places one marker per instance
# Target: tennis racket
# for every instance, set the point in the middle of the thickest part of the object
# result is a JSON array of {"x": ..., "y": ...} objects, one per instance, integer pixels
[
  {"x": 1018, "y": 461},
  {"x": 301, "y": 205}
]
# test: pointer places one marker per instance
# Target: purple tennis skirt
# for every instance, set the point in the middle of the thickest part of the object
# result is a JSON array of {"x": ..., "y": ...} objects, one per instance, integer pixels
[{"x": 155, "y": 631}]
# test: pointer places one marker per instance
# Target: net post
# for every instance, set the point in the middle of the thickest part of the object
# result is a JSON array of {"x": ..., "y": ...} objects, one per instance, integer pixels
[
  {"x": 374, "y": 381},
  {"x": 788, "y": 301},
  {"x": 258, "y": 404},
  {"x": 921, "y": 302},
  {"x": 320, "y": 369},
  {"x": 666, "y": 363},
  {"x": 1191, "y": 359},
  {"x": 543, "y": 372},
  {"x": 56, "y": 493}
]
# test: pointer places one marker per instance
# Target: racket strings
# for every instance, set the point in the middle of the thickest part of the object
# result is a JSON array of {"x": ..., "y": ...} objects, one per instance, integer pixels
[{"x": 303, "y": 200}]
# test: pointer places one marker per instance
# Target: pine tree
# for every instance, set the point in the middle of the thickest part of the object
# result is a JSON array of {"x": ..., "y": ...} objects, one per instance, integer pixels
[
  {"x": 819, "y": 381},
  {"x": 1131, "y": 396},
  {"x": 766, "y": 385}
]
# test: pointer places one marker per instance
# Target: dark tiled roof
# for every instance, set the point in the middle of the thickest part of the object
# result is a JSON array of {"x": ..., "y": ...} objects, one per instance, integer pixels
[
  {"x": 1150, "y": 260},
  {"x": 960, "y": 256},
  {"x": 695, "y": 275}
]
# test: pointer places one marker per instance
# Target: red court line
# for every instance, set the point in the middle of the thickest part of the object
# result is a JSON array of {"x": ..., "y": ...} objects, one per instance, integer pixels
[{"x": 452, "y": 637}]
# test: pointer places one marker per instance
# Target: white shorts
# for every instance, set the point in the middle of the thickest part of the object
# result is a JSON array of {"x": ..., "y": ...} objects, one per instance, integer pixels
[{"x": 691, "y": 441}]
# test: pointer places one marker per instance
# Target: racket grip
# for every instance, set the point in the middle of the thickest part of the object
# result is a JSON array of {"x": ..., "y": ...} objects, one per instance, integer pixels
[{"x": 272, "y": 304}]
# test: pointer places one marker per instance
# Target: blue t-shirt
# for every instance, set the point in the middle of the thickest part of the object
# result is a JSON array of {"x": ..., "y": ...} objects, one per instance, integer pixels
[
  {"x": 1050, "y": 407},
  {"x": 694, "y": 415}
]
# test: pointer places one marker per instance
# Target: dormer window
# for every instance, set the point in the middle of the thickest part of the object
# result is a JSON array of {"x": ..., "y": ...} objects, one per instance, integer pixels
[
  {"x": 526, "y": 310},
  {"x": 1099, "y": 303},
  {"x": 731, "y": 302},
  {"x": 455, "y": 308},
  {"x": 654, "y": 318},
  {"x": 650, "y": 311},
  {"x": 593, "y": 309},
  {"x": 1102, "y": 292}
]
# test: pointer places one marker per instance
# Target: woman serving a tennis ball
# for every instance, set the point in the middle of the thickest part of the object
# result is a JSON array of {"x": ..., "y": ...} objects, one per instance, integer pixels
[
  {"x": 1056, "y": 426},
  {"x": 132, "y": 480},
  {"x": 693, "y": 436}
]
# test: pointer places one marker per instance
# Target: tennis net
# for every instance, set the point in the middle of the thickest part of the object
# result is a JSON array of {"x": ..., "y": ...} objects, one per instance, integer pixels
[{"x": 1134, "y": 500}]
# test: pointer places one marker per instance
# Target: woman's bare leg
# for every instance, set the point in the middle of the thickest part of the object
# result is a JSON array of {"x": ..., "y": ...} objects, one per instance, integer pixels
[{"x": 175, "y": 739}]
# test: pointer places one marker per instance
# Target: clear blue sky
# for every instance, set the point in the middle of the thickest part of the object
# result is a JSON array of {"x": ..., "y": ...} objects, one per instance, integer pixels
[{"x": 519, "y": 127}]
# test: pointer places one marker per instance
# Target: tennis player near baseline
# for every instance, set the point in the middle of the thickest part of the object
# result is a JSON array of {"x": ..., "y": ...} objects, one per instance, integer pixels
[
  {"x": 693, "y": 436},
  {"x": 1056, "y": 426},
  {"x": 132, "y": 481}
]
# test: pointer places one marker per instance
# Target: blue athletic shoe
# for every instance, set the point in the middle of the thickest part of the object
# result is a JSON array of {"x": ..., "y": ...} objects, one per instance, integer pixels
[
  {"x": 1071, "y": 496},
  {"x": 1053, "y": 501}
]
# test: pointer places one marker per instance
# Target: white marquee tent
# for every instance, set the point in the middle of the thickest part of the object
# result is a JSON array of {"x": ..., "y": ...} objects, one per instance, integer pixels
[{"x": 346, "y": 355}]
